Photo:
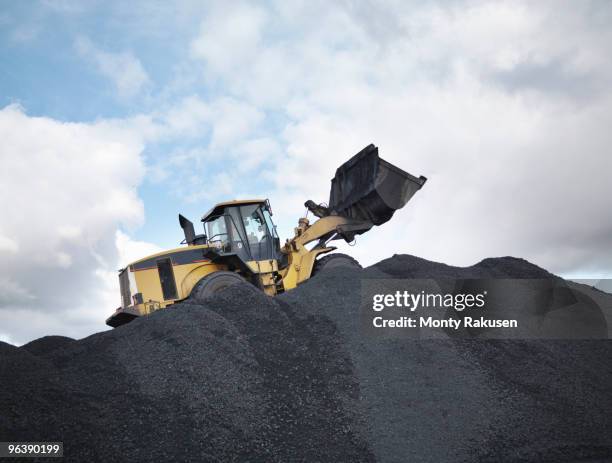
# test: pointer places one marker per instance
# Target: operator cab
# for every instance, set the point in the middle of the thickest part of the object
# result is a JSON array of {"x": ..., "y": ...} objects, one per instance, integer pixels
[{"x": 244, "y": 228}]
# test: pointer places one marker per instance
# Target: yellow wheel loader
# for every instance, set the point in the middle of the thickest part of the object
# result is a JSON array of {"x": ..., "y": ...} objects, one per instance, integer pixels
[{"x": 240, "y": 242}]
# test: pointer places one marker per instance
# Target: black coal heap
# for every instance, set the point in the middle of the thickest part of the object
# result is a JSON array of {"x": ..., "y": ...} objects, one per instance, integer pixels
[{"x": 247, "y": 377}]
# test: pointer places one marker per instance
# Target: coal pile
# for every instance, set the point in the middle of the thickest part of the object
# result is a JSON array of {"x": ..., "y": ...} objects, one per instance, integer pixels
[
  {"x": 407, "y": 266},
  {"x": 246, "y": 377}
]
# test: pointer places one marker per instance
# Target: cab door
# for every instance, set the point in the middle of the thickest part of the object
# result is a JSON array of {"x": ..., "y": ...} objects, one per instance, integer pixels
[{"x": 258, "y": 237}]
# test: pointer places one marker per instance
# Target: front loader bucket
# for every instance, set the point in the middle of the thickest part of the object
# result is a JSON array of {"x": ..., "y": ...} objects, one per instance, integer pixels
[{"x": 370, "y": 189}]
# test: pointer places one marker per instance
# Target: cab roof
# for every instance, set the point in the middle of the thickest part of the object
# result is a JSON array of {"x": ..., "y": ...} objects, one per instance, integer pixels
[{"x": 235, "y": 202}]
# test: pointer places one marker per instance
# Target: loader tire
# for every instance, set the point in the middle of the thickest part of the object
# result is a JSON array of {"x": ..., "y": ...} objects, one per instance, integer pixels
[
  {"x": 336, "y": 260},
  {"x": 214, "y": 283}
]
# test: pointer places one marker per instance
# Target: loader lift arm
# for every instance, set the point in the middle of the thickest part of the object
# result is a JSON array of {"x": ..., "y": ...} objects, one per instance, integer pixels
[{"x": 300, "y": 259}]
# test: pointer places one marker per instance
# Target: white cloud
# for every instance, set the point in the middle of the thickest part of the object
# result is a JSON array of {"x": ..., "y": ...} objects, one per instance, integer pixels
[
  {"x": 233, "y": 122},
  {"x": 237, "y": 29},
  {"x": 8, "y": 245},
  {"x": 505, "y": 107},
  {"x": 11, "y": 291},
  {"x": 123, "y": 69},
  {"x": 213, "y": 142},
  {"x": 130, "y": 250},
  {"x": 189, "y": 117},
  {"x": 65, "y": 190}
]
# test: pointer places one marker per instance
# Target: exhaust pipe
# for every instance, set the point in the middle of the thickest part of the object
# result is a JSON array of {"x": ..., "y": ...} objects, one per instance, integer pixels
[{"x": 188, "y": 230}]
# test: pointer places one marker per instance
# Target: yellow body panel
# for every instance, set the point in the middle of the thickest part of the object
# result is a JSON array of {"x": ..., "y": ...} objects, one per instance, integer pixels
[
  {"x": 186, "y": 276},
  {"x": 267, "y": 271}
]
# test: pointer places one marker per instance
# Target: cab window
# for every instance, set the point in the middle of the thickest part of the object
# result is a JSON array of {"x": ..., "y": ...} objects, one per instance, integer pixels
[
  {"x": 258, "y": 237},
  {"x": 253, "y": 224},
  {"x": 269, "y": 223},
  {"x": 217, "y": 232}
]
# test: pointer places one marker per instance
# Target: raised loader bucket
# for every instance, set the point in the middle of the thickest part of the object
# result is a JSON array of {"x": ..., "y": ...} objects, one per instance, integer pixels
[{"x": 369, "y": 188}]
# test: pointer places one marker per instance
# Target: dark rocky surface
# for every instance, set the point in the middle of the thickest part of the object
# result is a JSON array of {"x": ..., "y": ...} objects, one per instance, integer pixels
[
  {"x": 246, "y": 377},
  {"x": 47, "y": 344},
  {"x": 407, "y": 266},
  {"x": 471, "y": 399}
]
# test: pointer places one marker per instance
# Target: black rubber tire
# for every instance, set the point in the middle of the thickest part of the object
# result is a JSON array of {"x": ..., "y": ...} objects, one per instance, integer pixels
[
  {"x": 215, "y": 282},
  {"x": 336, "y": 260}
]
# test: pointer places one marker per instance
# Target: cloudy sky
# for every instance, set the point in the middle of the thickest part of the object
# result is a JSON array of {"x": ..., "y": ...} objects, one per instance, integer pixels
[{"x": 115, "y": 116}]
